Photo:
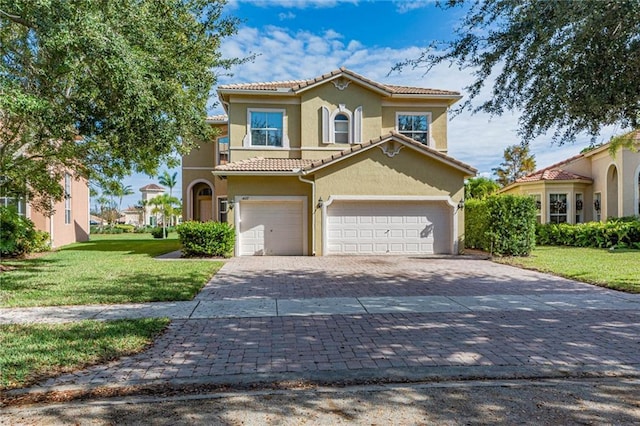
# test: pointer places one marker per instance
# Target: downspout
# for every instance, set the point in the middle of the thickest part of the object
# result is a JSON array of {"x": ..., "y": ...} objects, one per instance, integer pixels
[{"x": 313, "y": 211}]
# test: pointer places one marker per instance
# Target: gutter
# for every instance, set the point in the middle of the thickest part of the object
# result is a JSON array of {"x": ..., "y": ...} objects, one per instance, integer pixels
[{"x": 313, "y": 211}]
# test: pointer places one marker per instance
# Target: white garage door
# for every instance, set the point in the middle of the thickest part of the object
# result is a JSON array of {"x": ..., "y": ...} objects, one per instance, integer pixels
[
  {"x": 271, "y": 228},
  {"x": 389, "y": 227}
]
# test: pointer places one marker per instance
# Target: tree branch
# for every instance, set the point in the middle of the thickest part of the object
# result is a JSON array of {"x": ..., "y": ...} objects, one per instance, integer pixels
[{"x": 16, "y": 19}]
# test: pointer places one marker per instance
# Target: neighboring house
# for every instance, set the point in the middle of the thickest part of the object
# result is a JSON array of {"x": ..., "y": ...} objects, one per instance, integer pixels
[
  {"x": 70, "y": 221},
  {"x": 149, "y": 192},
  {"x": 337, "y": 164},
  {"x": 132, "y": 215},
  {"x": 592, "y": 186}
]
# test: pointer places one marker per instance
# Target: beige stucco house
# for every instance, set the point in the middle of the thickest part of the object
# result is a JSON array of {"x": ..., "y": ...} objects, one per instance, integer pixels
[
  {"x": 592, "y": 186},
  {"x": 70, "y": 221},
  {"x": 337, "y": 164}
]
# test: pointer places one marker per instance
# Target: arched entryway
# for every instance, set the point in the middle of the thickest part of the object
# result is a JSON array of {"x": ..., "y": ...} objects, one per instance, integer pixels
[
  {"x": 201, "y": 202},
  {"x": 612, "y": 192}
]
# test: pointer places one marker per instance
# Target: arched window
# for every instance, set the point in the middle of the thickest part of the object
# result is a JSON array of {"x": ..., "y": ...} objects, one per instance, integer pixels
[{"x": 341, "y": 128}]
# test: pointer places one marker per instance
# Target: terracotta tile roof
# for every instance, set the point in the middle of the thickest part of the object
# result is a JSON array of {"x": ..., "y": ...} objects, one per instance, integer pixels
[
  {"x": 391, "y": 135},
  {"x": 260, "y": 164},
  {"x": 152, "y": 187},
  {"x": 552, "y": 174},
  {"x": 295, "y": 85},
  {"x": 295, "y": 165}
]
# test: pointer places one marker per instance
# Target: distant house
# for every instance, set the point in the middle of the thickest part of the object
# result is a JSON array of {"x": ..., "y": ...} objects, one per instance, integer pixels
[
  {"x": 592, "y": 186},
  {"x": 148, "y": 193},
  {"x": 334, "y": 165},
  {"x": 70, "y": 221},
  {"x": 132, "y": 215}
]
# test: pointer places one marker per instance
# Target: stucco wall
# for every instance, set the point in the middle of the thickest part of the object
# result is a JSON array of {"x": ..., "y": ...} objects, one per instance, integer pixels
[{"x": 191, "y": 178}]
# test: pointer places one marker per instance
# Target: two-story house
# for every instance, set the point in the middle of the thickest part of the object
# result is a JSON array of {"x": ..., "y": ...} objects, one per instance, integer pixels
[
  {"x": 337, "y": 164},
  {"x": 591, "y": 186}
]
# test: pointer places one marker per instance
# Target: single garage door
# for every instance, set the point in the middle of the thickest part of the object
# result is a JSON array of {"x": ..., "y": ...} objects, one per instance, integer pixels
[
  {"x": 271, "y": 228},
  {"x": 389, "y": 227}
]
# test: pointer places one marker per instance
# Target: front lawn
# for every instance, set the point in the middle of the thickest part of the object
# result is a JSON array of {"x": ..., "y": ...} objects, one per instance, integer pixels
[
  {"x": 108, "y": 269},
  {"x": 29, "y": 353},
  {"x": 616, "y": 269}
]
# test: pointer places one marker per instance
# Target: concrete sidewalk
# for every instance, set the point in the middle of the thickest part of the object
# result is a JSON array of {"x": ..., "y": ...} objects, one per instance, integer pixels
[{"x": 266, "y": 307}]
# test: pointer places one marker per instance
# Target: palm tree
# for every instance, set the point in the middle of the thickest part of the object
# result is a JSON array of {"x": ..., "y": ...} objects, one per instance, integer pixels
[
  {"x": 164, "y": 204},
  {"x": 169, "y": 180}
]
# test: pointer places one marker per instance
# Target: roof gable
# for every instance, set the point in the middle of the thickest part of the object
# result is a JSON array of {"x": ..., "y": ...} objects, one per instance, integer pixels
[{"x": 341, "y": 77}]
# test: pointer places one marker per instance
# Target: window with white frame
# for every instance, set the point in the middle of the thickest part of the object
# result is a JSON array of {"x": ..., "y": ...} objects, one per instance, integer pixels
[
  {"x": 67, "y": 198},
  {"x": 341, "y": 128},
  {"x": 579, "y": 208},
  {"x": 557, "y": 208},
  {"x": 266, "y": 128},
  {"x": 19, "y": 204},
  {"x": 597, "y": 206},
  {"x": 414, "y": 125},
  {"x": 223, "y": 149},
  {"x": 538, "y": 199}
]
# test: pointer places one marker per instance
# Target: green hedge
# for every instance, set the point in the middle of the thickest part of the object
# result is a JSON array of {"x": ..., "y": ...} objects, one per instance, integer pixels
[
  {"x": 206, "y": 239},
  {"x": 501, "y": 224},
  {"x": 618, "y": 233},
  {"x": 18, "y": 235}
]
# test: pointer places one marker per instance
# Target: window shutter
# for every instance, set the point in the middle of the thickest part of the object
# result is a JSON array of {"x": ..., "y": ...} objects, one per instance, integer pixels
[
  {"x": 326, "y": 131},
  {"x": 357, "y": 125}
]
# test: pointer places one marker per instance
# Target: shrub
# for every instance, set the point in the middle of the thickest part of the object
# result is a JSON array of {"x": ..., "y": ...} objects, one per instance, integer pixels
[
  {"x": 158, "y": 232},
  {"x": 476, "y": 222},
  {"x": 502, "y": 224},
  {"x": 18, "y": 235},
  {"x": 106, "y": 229},
  {"x": 206, "y": 238},
  {"x": 619, "y": 233},
  {"x": 125, "y": 227}
]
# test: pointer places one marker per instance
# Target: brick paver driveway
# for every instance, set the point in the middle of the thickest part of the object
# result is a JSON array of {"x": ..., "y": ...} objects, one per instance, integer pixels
[{"x": 414, "y": 318}]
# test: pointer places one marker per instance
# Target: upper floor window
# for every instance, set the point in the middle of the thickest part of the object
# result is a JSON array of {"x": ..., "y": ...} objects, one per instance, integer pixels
[
  {"x": 557, "y": 208},
  {"x": 223, "y": 150},
  {"x": 67, "y": 198},
  {"x": 266, "y": 128},
  {"x": 341, "y": 128},
  {"x": 341, "y": 125},
  {"x": 414, "y": 125}
]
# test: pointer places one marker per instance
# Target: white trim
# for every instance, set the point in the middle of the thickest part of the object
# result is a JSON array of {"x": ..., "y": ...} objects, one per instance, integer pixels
[
  {"x": 325, "y": 125},
  {"x": 246, "y": 141},
  {"x": 636, "y": 191},
  {"x": 442, "y": 198},
  {"x": 389, "y": 103},
  {"x": 238, "y": 199},
  {"x": 189, "y": 196},
  {"x": 430, "y": 142},
  {"x": 357, "y": 125},
  {"x": 332, "y": 125},
  {"x": 266, "y": 100}
]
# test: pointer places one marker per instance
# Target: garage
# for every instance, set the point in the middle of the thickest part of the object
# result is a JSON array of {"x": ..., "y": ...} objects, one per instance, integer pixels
[
  {"x": 273, "y": 227},
  {"x": 389, "y": 227}
]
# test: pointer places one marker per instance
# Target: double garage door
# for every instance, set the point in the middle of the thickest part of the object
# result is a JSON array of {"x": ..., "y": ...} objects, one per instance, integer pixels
[
  {"x": 389, "y": 227},
  {"x": 278, "y": 228}
]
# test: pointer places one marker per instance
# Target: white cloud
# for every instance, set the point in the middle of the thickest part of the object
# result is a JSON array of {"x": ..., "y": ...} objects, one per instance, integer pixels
[
  {"x": 286, "y": 16},
  {"x": 404, "y": 6}
]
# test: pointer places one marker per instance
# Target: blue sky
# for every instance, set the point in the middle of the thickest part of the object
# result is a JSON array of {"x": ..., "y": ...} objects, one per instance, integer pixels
[{"x": 299, "y": 39}]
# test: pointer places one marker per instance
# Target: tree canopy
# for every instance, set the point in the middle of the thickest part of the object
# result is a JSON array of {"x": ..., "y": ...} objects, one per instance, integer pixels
[
  {"x": 480, "y": 187},
  {"x": 518, "y": 162},
  {"x": 570, "y": 66},
  {"x": 104, "y": 88}
]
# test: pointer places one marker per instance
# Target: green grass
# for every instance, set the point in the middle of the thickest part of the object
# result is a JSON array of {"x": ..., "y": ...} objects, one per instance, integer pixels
[
  {"x": 29, "y": 353},
  {"x": 616, "y": 269},
  {"x": 108, "y": 269}
]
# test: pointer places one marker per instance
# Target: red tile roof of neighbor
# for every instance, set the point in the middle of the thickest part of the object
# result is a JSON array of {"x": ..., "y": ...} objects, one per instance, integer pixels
[
  {"x": 152, "y": 187},
  {"x": 295, "y": 85},
  {"x": 260, "y": 164},
  {"x": 554, "y": 173}
]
